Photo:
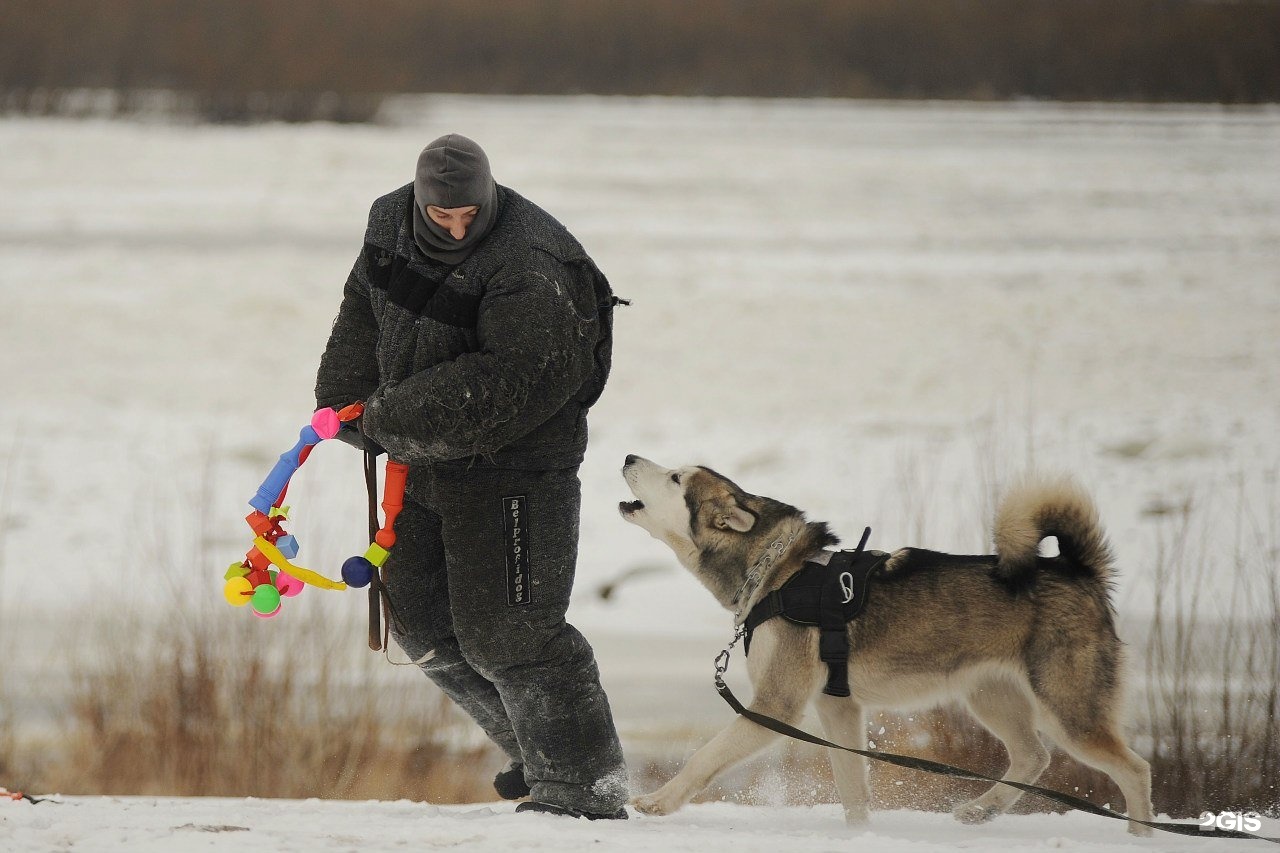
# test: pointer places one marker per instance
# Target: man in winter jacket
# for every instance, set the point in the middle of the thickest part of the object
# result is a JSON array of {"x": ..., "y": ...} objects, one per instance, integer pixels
[{"x": 478, "y": 331}]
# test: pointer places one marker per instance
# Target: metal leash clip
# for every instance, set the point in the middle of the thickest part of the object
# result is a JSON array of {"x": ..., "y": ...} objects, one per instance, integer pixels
[{"x": 722, "y": 659}]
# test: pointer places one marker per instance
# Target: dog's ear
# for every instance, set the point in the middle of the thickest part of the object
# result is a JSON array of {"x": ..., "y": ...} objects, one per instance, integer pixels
[{"x": 734, "y": 517}]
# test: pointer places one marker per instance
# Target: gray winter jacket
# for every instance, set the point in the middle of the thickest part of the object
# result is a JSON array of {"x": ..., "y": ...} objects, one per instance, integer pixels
[{"x": 493, "y": 363}]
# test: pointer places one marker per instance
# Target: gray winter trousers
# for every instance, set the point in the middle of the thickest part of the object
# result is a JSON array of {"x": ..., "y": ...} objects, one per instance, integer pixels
[{"x": 479, "y": 579}]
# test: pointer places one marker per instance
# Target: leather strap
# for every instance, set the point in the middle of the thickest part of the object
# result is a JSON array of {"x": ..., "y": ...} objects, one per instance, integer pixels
[{"x": 376, "y": 636}]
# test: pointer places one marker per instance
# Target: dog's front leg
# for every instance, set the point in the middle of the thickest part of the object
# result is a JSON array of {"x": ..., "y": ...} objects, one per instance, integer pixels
[
  {"x": 844, "y": 724},
  {"x": 741, "y": 739},
  {"x": 783, "y": 669}
]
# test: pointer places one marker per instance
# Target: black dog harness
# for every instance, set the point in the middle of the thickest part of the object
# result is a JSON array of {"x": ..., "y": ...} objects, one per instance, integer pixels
[{"x": 829, "y": 597}]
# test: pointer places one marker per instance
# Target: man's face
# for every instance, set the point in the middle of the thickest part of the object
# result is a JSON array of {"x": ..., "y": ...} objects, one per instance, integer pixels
[{"x": 455, "y": 220}]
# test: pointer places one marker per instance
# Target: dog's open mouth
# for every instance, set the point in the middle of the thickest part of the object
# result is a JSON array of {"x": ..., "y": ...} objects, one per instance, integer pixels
[{"x": 627, "y": 507}]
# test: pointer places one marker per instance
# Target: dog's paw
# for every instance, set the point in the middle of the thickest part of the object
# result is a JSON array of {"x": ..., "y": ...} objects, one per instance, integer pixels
[
  {"x": 652, "y": 804},
  {"x": 1141, "y": 831},
  {"x": 857, "y": 817},
  {"x": 975, "y": 812}
]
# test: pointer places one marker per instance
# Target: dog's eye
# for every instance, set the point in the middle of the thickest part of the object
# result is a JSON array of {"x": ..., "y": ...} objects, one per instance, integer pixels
[{"x": 675, "y": 478}]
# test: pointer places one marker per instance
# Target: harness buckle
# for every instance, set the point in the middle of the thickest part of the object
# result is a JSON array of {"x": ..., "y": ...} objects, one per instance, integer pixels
[{"x": 846, "y": 587}]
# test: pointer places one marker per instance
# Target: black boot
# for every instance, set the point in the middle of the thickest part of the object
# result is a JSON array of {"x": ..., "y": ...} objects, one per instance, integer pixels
[
  {"x": 510, "y": 784},
  {"x": 549, "y": 808}
]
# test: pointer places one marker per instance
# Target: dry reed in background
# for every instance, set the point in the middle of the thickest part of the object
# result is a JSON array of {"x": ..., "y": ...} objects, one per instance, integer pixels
[
  {"x": 213, "y": 710},
  {"x": 1213, "y": 659}
]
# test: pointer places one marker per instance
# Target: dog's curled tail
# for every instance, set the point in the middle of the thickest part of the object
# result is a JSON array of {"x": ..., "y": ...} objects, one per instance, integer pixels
[{"x": 1036, "y": 508}]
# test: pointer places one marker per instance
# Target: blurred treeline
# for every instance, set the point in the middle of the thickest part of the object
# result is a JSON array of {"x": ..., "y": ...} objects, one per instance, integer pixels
[{"x": 244, "y": 59}]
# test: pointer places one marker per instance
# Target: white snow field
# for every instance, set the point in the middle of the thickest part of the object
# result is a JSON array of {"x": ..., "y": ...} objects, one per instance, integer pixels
[
  {"x": 877, "y": 312},
  {"x": 167, "y": 825}
]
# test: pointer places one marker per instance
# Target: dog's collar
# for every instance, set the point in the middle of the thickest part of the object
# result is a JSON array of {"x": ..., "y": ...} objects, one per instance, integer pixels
[{"x": 755, "y": 574}]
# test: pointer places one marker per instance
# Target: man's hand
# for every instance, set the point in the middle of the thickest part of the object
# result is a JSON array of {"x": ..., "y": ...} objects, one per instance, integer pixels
[{"x": 352, "y": 434}]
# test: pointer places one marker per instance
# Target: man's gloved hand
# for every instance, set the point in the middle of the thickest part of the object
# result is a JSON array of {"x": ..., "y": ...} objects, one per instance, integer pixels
[{"x": 354, "y": 436}]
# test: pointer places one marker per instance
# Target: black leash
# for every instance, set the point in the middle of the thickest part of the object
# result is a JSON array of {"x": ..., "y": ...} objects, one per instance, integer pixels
[
  {"x": 722, "y": 665},
  {"x": 382, "y": 611},
  {"x": 375, "y": 583}
]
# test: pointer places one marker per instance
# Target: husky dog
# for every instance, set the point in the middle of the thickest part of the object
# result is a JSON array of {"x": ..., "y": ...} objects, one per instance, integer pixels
[{"x": 1027, "y": 643}]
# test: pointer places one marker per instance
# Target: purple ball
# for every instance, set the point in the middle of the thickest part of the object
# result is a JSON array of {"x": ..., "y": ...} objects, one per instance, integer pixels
[{"x": 357, "y": 572}]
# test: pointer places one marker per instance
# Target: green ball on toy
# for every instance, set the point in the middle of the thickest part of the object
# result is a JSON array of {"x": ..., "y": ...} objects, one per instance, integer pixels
[
  {"x": 265, "y": 600},
  {"x": 357, "y": 572}
]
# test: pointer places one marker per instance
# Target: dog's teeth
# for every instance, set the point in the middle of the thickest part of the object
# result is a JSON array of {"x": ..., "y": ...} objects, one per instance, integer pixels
[{"x": 631, "y": 506}]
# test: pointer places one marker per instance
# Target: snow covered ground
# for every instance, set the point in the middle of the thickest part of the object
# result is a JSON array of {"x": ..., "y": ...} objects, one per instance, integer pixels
[
  {"x": 877, "y": 312},
  {"x": 164, "y": 825}
]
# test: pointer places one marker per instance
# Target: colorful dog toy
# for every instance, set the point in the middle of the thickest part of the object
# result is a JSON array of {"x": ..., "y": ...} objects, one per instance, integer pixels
[{"x": 267, "y": 574}]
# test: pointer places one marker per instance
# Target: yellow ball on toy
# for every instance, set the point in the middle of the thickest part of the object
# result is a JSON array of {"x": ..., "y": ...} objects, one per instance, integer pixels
[{"x": 238, "y": 591}]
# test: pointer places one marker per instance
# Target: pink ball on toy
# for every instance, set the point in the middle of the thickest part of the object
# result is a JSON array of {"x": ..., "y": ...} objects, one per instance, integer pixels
[
  {"x": 288, "y": 585},
  {"x": 325, "y": 422}
]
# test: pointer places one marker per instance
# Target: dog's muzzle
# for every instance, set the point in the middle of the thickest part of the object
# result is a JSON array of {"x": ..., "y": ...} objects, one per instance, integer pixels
[{"x": 627, "y": 508}]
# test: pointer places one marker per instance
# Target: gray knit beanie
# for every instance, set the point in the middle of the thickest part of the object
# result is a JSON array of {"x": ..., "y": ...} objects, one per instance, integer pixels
[{"x": 452, "y": 172}]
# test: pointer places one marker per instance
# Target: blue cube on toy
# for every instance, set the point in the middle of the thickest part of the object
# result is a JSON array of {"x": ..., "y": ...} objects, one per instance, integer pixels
[{"x": 288, "y": 545}]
